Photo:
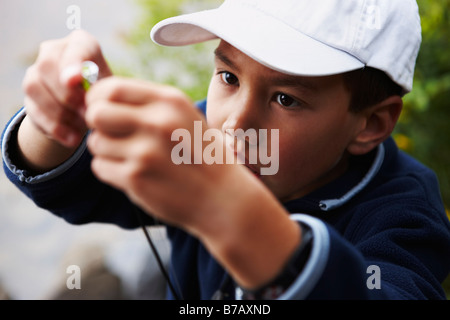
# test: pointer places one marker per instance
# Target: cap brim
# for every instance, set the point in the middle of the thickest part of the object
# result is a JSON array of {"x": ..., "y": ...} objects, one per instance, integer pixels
[{"x": 261, "y": 37}]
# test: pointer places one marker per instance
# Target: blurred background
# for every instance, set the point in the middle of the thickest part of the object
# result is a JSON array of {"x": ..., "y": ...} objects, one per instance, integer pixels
[{"x": 36, "y": 248}]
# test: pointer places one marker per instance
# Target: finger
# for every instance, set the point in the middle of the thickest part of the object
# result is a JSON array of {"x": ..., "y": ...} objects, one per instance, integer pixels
[
  {"x": 134, "y": 91},
  {"x": 104, "y": 146},
  {"x": 36, "y": 90},
  {"x": 47, "y": 104},
  {"x": 64, "y": 133},
  {"x": 82, "y": 46},
  {"x": 119, "y": 89},
  {"x": 110, "y": 171},
  {"x": 71, "y": 77},
  {"x": 41, "y": 104},
  {"x": 48, "y": 65},
  {"x": 142, "y": 153},
  {"x": 112, "y": 118},
  {"x": 142, "y": 150},
  {"x": 60, "y": 61}
]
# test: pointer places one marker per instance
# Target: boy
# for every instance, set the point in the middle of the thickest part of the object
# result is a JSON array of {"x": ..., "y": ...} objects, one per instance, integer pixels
[{"x": 345, "y": 216}]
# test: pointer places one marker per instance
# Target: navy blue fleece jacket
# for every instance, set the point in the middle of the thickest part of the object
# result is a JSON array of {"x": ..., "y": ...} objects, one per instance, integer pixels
[{"x": 379, "y": 231}]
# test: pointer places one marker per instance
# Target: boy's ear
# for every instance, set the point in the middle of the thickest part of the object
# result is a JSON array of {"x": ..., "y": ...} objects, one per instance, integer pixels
[{"x": 378, "y": 122}]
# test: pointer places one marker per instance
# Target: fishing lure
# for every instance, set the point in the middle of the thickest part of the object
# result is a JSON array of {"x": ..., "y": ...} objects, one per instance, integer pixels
[{"x": 89, "y": 72}]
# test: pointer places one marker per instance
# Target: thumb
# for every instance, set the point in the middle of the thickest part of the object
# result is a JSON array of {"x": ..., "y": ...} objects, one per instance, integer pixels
[
  {"x": 71, "y": 75},
  {"x": 81, "y": 47}
]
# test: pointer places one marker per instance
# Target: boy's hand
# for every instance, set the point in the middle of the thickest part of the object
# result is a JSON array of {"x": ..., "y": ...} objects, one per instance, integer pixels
[
  {"x": 132, "y": 124},
  {"x": 54, "y": 96}
]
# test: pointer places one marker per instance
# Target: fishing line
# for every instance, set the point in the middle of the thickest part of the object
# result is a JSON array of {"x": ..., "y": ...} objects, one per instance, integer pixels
[{"x": 156, "y": 254}]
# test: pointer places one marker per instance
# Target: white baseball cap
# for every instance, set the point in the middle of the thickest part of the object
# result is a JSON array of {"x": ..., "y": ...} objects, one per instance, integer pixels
[{"x": 309, "y": 37}]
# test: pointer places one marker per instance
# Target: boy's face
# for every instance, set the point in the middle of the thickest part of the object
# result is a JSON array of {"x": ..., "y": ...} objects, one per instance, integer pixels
[{"x": 311, "y": 113}]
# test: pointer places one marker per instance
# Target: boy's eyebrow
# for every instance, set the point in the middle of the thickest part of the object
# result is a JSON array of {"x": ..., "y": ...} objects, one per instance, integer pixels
[{"x": 223, "y": 57}]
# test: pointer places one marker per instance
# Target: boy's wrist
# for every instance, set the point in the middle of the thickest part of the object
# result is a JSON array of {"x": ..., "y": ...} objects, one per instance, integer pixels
[
  {"x": 278, "y": 285},
  {"x": 251, "y": 236},
  {"x": 35, "y": 151}
]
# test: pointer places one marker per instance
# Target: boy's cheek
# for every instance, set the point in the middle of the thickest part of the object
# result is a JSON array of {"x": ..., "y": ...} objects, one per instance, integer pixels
[
  {"x": 217, "y": 112},
  {"x": 286, "y": 170}
]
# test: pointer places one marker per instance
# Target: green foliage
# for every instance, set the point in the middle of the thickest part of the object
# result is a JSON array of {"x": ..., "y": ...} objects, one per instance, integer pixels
[
  {"x": 424, "y": 122},
  {"x": 188, "y": 68}
]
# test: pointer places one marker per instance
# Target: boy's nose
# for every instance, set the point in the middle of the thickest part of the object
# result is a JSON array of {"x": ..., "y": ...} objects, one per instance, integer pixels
[{"x": 243, "y": 115}]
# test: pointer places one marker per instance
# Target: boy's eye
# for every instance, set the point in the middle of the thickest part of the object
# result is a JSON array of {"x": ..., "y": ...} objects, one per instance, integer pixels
[
  {"x": 286, "y": 101},
  {"x": 229, "y": 78}
]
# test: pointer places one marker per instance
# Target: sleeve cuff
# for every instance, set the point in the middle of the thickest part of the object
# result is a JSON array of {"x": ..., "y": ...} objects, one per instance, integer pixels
[
  {"x": 318, "y": 259},
  {"x": 22, "y": 174},
  {"x": 313, "y": 270}
]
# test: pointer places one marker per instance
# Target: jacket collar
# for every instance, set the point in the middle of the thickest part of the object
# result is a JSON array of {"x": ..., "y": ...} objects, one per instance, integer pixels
[{"x": 361, "y": 172}]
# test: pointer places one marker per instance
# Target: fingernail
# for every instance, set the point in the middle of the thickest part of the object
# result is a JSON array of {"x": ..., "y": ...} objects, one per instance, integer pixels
[
  {"x": 71, "y": 139},
  {"x": 70, "y": 72}
]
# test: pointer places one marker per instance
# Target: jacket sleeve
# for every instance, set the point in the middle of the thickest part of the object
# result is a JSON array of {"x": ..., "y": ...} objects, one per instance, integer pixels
[
  {"x": 70, "y": 191},
  {"x": 405, "y": 258}
]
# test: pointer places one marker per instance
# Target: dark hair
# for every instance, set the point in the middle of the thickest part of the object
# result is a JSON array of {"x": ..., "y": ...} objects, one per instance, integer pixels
[{"x": 369, "y": 86}]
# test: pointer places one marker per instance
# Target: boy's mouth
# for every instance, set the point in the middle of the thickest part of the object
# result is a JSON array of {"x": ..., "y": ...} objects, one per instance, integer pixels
[{"x": 242, "y": 158}]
